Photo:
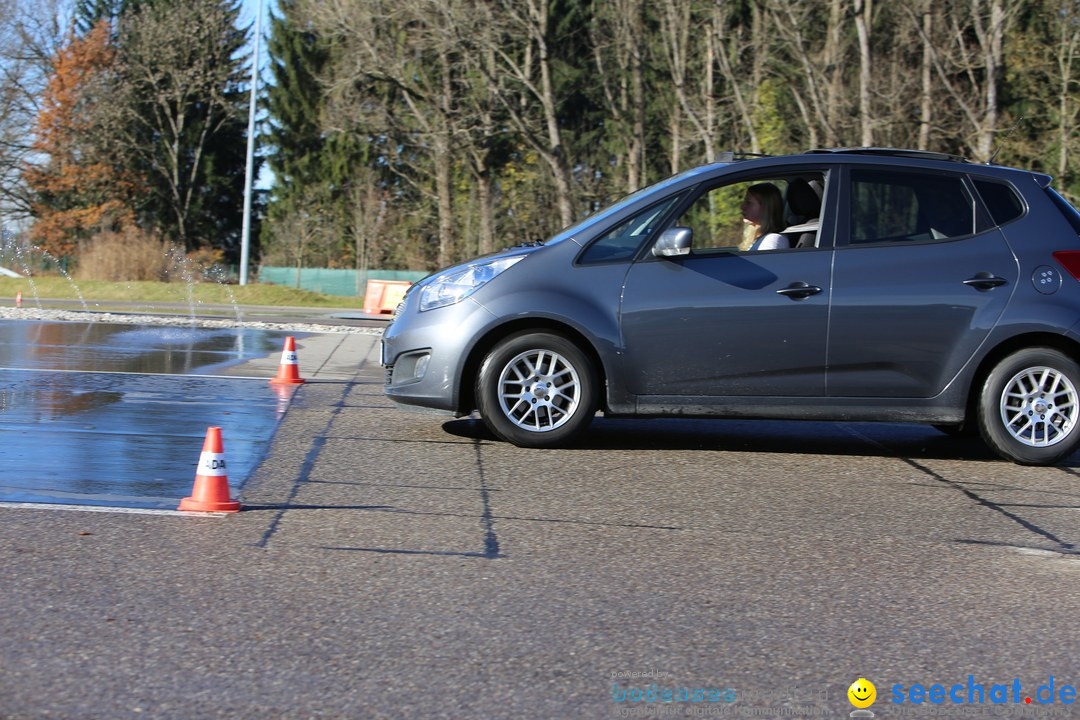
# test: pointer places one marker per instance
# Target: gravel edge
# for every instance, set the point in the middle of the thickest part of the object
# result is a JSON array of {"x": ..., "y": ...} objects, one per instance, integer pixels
[{"x": 176, "y": 321}]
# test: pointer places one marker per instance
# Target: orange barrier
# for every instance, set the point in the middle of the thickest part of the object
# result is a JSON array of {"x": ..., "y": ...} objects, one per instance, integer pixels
[
  {"x": 289, "y": 367},
  {"x": 382, "y": 296},
  {"x": 211, "y": 490}
]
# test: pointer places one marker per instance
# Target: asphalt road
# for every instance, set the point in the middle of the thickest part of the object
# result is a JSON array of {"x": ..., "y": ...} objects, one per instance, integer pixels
[{"x": 391, "y": 565}]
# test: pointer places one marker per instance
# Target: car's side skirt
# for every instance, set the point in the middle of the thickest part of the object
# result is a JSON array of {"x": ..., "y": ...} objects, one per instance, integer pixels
[{"x": 921, "y": 410}]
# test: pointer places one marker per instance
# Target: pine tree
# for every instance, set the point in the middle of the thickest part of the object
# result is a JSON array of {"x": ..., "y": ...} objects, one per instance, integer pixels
[
  {"x": 294, "y": 101},
  {"x": 311, "y": 167},
  {"x": 88, "y": 13}
]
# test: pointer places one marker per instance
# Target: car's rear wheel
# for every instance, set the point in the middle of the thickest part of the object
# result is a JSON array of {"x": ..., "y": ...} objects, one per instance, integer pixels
[
  {"x": 536, "y": 389},
  {"x": 1029, "y": 407}
]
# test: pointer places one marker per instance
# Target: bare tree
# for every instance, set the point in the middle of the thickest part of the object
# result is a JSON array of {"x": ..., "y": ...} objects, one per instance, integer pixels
[
  {"x": 969, "y": 70},
  {"x": 1066, "y": 56},
  {"x": 404, "y": 49},
  {"x": 30, "y": 34},
  {"x": 172, "y": 96},
  {"x": 478, "y": 114},
  {"x": 296, "y": 236},
  {"x": 675, "y": 34},
  {"x": 742, "y": 54},
  {"x": 833, "y": 62},
  {"x": 681, "y": 24},
  {"x": 369, "y": 203},
  {"x": 926, "y": 99},
  {"x": 522, "y": 80},
  {"x": 483, "y": 139},
  {"x": 816, "y": 62},
  {"x": 619, "y": 44},
  {"x": 862, "y": 10}
]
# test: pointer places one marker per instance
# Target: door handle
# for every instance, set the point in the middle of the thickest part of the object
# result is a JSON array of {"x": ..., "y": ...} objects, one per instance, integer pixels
[
  {"x": 799, "y": 290},
  {"x": 985, "y": 281}
]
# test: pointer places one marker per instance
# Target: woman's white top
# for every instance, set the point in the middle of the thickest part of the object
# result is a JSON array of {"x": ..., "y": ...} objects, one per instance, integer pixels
[{"x": 772, "y": 241}]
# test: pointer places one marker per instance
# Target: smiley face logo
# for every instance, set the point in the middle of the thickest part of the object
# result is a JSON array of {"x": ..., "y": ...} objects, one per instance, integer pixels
[{"x": 862, "y": 693}]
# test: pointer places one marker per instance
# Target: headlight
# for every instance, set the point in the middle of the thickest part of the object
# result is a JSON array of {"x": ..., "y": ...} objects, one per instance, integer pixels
[{"x": 457, "y": 285}]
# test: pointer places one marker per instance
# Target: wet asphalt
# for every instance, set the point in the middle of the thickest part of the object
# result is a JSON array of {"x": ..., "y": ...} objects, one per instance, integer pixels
[
  {"x": 108, "y": 414},
  {"x": 394, "y": 565}
]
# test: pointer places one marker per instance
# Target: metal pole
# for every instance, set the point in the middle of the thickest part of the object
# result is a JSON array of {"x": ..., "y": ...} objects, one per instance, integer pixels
[{"x": 245, "y": 233}]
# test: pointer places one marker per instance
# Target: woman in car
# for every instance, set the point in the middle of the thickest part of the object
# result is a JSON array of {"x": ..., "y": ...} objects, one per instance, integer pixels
[{"x": 763, "y": 209}]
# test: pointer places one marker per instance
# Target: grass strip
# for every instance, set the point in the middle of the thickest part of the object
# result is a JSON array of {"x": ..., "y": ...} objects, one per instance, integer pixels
[{"x": 97, "y": 291}]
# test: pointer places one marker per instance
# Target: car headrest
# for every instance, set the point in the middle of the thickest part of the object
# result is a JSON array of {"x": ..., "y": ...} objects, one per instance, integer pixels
[{"x": 803, "y": 199}]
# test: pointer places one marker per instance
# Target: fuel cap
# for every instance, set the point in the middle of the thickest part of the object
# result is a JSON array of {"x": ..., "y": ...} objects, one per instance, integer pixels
[{"x": 1046, "y": 279}]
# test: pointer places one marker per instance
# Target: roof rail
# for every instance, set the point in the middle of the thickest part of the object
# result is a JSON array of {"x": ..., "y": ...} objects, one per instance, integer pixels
[
  {"x": 733, "y": 155},
  {"x": 893, "y": 152}
]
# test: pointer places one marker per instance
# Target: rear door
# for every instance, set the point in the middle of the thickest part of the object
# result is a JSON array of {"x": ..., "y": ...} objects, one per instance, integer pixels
[{"x": 921, "y": 276}]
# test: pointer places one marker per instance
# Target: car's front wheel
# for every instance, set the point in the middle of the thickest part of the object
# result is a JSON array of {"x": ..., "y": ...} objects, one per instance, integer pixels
[
  {"x": 536, "y": 389},
  {"x": 1029, "y": 407}
]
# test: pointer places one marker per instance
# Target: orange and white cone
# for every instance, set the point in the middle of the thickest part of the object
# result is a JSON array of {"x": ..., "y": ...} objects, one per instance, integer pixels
[
  {"x": 18, "y": 299},
  {"x": 289, "y": 369},
  {"x": 211, "y": 491}
]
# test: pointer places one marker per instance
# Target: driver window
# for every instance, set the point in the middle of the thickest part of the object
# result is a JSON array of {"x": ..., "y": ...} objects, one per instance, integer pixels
[{"x": 775, "y": 213}]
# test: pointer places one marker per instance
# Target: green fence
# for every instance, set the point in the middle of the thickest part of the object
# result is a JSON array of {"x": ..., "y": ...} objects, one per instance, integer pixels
[{"x": 333, "y": 282}]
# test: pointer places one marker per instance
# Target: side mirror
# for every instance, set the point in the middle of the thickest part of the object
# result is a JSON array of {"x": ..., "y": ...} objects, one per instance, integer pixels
[{"x": 673, "y": 242}]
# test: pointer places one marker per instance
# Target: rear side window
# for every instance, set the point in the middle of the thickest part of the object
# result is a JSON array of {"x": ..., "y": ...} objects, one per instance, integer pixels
[
  {"x": 1066, "y": 209},
  {"x": 622, "y": 241},
  {"x": 1001, "y": 200},
  {"x": 905, "y": 207}
]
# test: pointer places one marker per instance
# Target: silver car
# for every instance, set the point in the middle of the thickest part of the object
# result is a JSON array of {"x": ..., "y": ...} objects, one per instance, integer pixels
[{"x": 907, "y": 286}]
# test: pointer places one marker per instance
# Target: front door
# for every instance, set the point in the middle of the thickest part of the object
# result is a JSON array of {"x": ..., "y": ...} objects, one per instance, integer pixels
[
  {"x": 716, "y": 326},
  {"x": 726, "y": 320}
]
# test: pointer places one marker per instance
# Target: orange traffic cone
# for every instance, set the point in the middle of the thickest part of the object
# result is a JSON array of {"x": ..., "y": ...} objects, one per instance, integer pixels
[
  {"x": 18, "y": 299},
  {"x": 211, "y": 491},
  {"x": 289, "y": 369}
]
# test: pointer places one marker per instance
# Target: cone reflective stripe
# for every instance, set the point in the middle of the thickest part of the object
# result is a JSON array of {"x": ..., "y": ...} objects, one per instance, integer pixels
[
  {"x": 211, "y": 491},
  {"x": 212, "y": 464},
  {"x": 289, "y": 368}
]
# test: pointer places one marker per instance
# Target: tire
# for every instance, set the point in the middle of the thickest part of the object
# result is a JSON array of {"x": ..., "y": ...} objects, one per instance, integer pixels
[
  {"x": 1029, "y": 407},
  {"x": 537, "y": 390}
]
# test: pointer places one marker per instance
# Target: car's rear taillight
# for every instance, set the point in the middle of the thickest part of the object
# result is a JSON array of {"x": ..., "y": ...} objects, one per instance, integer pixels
[{"x": 1070, "y": 260}]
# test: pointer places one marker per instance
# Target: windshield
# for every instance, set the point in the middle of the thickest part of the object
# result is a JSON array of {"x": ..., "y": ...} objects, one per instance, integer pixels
[{"x": 630, "y": 199}]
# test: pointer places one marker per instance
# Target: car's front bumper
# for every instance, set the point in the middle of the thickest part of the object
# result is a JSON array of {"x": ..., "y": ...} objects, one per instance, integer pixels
[{"x": 424, "y": 353}]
